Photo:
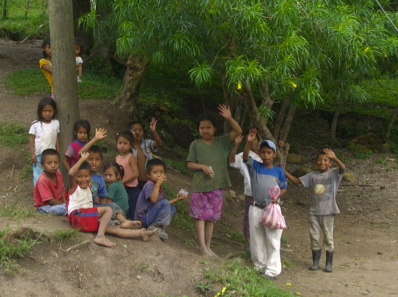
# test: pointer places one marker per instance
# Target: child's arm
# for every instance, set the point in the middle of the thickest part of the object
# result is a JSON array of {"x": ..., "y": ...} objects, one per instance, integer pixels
[
  {"x": 249, "y": 141},
  {"x": 292, "y": 178},
  {"x": 238, "y": 140},
  {"x": 48, "y": 68},
  {"x": 330, "y": 154},
  {"x": 55, "y": 202},
  {"x": 57, "y": 144},
  {"x": 80, "y": 68},
  {"x": 155, "y": 193},
  {"x": 283, "y": 192},
  {"x": 196, "y": 166},
  {"x": 226, "y": 113},
  {"x": 66, "y": 162},
  {"x": 134, "y": 169},
  {"x": 99, "y": 134},
  {"x": 156, "y": 137},
  {"x": 33, "y": 157},
  {"x": 74, "y": 169},
  {"x": 182, "y": 197}
]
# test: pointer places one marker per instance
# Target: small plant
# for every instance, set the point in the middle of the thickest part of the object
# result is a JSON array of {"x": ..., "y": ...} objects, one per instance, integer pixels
[
  {"x": 286, "y": 262},
  {"x": 284, "y": 240},
  {"x": 203, "y": 287},
  {"x": 238, "y": 237},
  {"x": 381, "y": 161},
  {"x": 142, "y": 267},
  {"x": 189, "y": 242},
  {"x": 202, "y": 262},
  {"x": 363, "y": 156},
  {"x": 63, "y": 236}
]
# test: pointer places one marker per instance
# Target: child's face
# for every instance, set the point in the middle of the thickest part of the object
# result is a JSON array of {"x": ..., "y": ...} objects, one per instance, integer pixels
[
  {"x": 83, "y": 178},
  {"x": 138, "y": 131},
  {"x": 123, "y": 145},
  {"x": 47, "y": 113},
  {"x": 95, "y": 160},
  {"x": 110, "y": 176},
  {"x": 156, "y": 172},
  {"x": 81, "y": 134},
  {"x": 77, "y": 50},
  {"x": 267, "y": 154},
  {"x": 323, "y": 163},
  {"x": 206, "y": 130},
  {"x": 50, "y": 164},
  {"x": 47, "y": 49}
]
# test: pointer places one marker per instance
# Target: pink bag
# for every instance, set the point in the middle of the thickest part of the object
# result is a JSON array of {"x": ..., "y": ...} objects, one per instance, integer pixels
[{"x": 273, "y": 217}]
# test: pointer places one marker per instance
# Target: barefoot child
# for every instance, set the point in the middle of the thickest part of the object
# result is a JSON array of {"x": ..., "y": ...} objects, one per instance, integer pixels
[
  {"x": 44, "y": 133},
  {"x": 83, "y": 215},
  {"x": 46, "y": 65},
  {"x": 113, "y": 174},
  {"x": 206, "y": 199},
  {"x": 264, "y": 242},
  {"x": 143, "y": 148},
  {"x": 49, "y": 189},
  {"x": 324, "y": 184},
  {"x": 153, "y": 209},
  {"x": 81, "y": 130}
]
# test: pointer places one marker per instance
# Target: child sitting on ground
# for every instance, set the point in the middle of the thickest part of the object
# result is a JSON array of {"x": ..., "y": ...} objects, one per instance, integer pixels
[
  {"x": 324, "y": 184},
  {"x": 143, "y": 148},
  {"x": 264, "y": 242},
  {"x": 83, "y": 215},
  {"x": 113, "y": 174},
  {"x": 49, "y": 189},
  {"x": 153, "y": 209}
]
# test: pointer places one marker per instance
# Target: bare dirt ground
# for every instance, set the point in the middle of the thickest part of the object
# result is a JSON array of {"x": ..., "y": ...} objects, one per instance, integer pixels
[{"x": 366, "y": 237}]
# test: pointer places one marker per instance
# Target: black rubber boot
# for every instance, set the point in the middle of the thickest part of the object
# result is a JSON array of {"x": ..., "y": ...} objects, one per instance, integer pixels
[
  {"x": 316, "y": 255},
  {"x": 329, "y": 262}
]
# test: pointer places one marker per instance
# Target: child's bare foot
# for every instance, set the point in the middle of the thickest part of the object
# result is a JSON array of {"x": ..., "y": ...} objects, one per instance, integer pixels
[
  {"x": 212, "y": 253},
  {"x": 65, "y": 220},
  {"x": 147, "y": 234},
  {"x": 130, "y": 224},
  {"x": 204, "y": 251},
  {"x": 104, "y": 242}
]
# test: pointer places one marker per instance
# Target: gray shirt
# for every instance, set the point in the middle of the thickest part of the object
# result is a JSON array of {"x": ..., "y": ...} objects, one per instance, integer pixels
[
  {"x": 147, "y": 149},
  {"x": 323, "y": 191}
]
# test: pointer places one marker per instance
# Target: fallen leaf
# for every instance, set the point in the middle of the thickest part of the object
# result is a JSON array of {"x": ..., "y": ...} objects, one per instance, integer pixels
[
  {"x": 125, "y": 246},
  {"x": 288, "y": 284}
]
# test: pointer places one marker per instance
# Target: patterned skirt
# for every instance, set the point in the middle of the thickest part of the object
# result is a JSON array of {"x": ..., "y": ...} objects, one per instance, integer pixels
[{"x": 206, "y": 206}]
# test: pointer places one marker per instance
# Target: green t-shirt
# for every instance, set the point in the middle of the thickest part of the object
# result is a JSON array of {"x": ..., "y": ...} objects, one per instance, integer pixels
[
  {"x": 118, "y": 194},
  {"x": 215, "y": 155}
]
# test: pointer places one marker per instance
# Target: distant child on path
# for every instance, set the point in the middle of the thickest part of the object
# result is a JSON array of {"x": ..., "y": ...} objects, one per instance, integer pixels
[
  {"x": 49, "y": 188},
  {"x": 84, "y": 216},
  {"x": 153, "y": 209},
  {"x": 143, "y": 148},
  {"x": 113, "y": 174},
  {"x": 81, "y": 130},
  {"x": 44, "y": 133},
  {"x": 46, "y": 65},
  {"x": 206, "y": 199},
  {"x": 124, "y": 142},
  {"x": 79, "y": 61},
  {"x": 324, "y": 184},
  {"x": 264, "y": 242}
]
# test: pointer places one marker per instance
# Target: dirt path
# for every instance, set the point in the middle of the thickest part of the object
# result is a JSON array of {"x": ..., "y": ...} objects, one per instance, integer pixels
[{"x": 366, "y": 231}]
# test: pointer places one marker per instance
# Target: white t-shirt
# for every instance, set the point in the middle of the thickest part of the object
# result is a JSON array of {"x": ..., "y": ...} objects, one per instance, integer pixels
[
  {"x": 79, "y": 60},
  {"x": 239, "y": 164},
  {"x": 45, "y": 135},
  {"x": 80, "y": 198}
]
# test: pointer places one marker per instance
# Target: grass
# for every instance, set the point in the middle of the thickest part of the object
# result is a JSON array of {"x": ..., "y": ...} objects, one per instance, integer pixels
[
  {"x": 179, "y": 166},
  {"x": 64, "y": 236},
  {"x": 238, "y": 237},
  {"x": 203, "y": 287},
  {"x": 16, "y": 211},
  {"x": 31, "y": 81},
  {"x": 244, "y": 280},
  {"x": 363, "y": 156},
  {"x": 13, "y": 135},
  {"x": 27, "y": 171}
]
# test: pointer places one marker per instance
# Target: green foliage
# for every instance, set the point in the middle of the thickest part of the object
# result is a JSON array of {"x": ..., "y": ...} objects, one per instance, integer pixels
[
  {"x": 363, "y": 156},
  {"x": 13, "y": 135},
  {"x": 28, "y": 168},
  {"x": 394, "y": 148},
  {"x": 284, "y": 240},
  {"x": 238, "y": 237},
  {"x": 382, "y": 161},
  {"x": 178, "y": 166},
  {"x": 64, "y": 236},
  {"x": 17, "y": 211},
  {"x": 203, "y": 287}
]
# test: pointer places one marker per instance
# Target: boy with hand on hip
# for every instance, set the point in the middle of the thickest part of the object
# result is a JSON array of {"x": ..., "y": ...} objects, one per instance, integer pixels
[
  {"x": 324, "y": 184},
  {"x": 264, "y": 241}
]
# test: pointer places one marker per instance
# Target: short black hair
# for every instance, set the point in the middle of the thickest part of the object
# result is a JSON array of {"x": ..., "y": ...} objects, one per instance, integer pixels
[
  {"x": 44, "y": 44},
  {"x": 126, "y": 134},
  {"x": 117, "y": 169},
  {"x": 131, "y": 124},
  {"x": 48, "y": 152},
  {"x": 96, "y": 149},
  {"x": 80, "y": 43},
  {"x": 247, "y": 134},
  {"x": 207, "y": 116},
  {"x": 85, "y": 165},
  {"x": 82, "y": 124},
  {"x": 154, "y": 162},
  {"x": 321, "y": 153}
]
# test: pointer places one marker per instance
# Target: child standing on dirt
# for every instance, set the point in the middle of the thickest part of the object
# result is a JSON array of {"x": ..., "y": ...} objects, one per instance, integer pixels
[
  {"x": 153, "y": 209},
  {"x": 124, "y": 142},
  {"x": 49, "y": 189},
  {"x": 237, "y": 162},
  {"x": 81, "y": 131},
  {"x": 264, "y": 242},
  {"x": 46, "y": 65},
  {"x": 208, "y": 157},
  {"x": 44, "y": 134},
  {"x": 143, "y": 148},
  {"x": 324, "y": 184},
  {"x": 79, "y": 60},
  {"x": 113, "y": 175},
  {"x": 83, "y": 215}
]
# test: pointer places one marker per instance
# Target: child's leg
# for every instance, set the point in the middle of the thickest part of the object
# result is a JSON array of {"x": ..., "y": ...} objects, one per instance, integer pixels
[
  {"x": 37, "y": 169},
  {"x": 208, "y": 235},
  {"x": 58, "y": 210},
  {"x": 246, "y": 228},
  {"x": 133, "y": 193},
  {"x": 200, "y": 234},
  {"x": 326, "y": 223},
  {"x": 105, "y": 213},
  {"x": 315, "y": 232},
  {"x": 273, "y": 239},
  {"x": 129, "y": 233},
  {"x": 126, "y": 224},
  {"x": 257, "y": 238}
]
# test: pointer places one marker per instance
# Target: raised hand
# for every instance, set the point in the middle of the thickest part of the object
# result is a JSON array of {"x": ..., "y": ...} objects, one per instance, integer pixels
[
  {"x": 100, "y": 133},
  {"x": 85, "y": 156},
  {"x": 329, "y": 153},
  {"x": 252, "y": 135},
  {"x": 152, "y": 125},
  {"x": 238, "y": 140},
  {"x": 161, "y": 180},
  {"x": 225, "y": 111}
]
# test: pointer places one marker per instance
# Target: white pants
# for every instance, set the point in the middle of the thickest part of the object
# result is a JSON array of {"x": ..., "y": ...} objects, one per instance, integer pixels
[
  {"x": 322, "y": 224},
  {"x": 265, "y": 244}
]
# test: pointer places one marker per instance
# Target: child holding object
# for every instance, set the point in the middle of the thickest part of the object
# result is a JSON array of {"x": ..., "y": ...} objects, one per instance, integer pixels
[
  {"x": 264, "y": 241},
  {"x": 324, "y": 184},
  {"x": 208, "y": 158}
]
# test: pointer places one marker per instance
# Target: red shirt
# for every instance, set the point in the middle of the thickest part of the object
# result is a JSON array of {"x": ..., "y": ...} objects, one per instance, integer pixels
[{"x": 46, "y": 190}]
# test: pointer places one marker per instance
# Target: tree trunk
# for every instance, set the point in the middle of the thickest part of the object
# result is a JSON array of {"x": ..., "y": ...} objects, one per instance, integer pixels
[
  {"x": 281, "y": 116},
  {"x": 64, "y": 71},
  {"x": 390, "y": 124},
  {"x": 5, "y": 9},
  {"x": 45, "y": 9},
  {"x": 228, "y": 101},
  {"x": 334, "y": 122},
  {"x": 27, "y": 8},
  {"x": 287, "y": 124},
  {"x": 81, "y": 7},
  {"x": 267, "y": 100},
  {"x": 128, "y": 94}
]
